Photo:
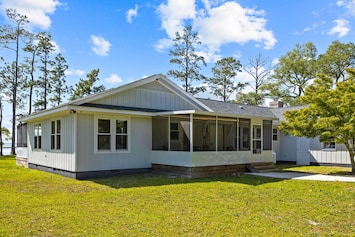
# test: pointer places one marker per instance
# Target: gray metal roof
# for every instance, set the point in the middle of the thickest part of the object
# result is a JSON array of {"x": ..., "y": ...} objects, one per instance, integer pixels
[
  {"x": 238, "y": 109},
  {"x": 279, "y": 112}
]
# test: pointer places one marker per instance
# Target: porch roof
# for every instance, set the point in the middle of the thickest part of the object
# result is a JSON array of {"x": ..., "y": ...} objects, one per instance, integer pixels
[{"x": 238, "y": 109}]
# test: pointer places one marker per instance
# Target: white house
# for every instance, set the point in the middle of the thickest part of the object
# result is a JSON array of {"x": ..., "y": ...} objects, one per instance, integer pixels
[
  {"x": 149, "y": 124},
  {"x": 302, "y": 150}
]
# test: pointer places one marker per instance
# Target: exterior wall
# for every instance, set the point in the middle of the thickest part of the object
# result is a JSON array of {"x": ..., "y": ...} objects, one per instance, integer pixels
[
  {"x": 288, "y": 145},
  {"x": 208, "y": 158},
  {"x": 63, "y": 159},
  {"x": 304, "y": 151},
  {"x": 152, "y": 95},
  {"x": 175, "y": 158},
  {"x": 339, "y": 155},
  {"x": 229, "y": 157},
  {"x": 138, "y": 156}
]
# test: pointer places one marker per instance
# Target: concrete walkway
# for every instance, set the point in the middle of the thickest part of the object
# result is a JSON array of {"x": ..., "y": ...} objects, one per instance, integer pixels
[{"x": 305, "y": 176}]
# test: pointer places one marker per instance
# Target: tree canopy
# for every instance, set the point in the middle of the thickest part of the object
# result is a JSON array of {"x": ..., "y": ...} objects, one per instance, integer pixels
[
  {"x": 329, "y": 113},
  {"x": 189, "y": 62},
  {"x": 87, "y": 87},
  {"x": 222, "y": 83},
  {"x": 294, "y": 72}
]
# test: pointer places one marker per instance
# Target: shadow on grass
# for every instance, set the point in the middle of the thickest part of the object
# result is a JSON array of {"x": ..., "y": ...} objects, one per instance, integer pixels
[{"x": 149, "y": 179}]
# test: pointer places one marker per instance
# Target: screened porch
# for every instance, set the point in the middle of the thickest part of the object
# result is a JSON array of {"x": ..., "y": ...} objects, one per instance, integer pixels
[{"x": 202, "y": 133}]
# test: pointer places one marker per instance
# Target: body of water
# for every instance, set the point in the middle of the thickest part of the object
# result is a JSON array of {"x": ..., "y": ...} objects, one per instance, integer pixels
[{"x": 6, "y": 149}]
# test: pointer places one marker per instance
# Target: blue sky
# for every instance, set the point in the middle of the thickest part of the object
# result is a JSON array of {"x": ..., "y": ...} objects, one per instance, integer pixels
[{"x": 128, "y": 40}]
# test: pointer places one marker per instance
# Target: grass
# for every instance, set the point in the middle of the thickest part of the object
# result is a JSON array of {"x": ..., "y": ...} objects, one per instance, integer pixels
[
  {"x": 330, "y": 170},
  {"x": 35, "y": 203}
]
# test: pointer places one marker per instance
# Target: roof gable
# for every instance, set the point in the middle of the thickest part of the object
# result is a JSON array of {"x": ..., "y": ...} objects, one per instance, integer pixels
[{"x": 154, "y": 92}]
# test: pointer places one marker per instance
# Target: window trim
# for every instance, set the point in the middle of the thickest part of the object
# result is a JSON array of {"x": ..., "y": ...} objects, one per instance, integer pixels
[
  {"x": 56, "y": 133},
  {"x": 112, "y": 134},
  {"x": 275, "y": 134},
  {"x": 37, "y": 138},
  {"x": 256, "y": 137},
  {"x": 324, "y": 148}
]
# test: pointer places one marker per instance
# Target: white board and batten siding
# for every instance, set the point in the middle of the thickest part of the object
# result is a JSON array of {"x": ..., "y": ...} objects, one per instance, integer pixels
[
  {"x": 152, "y": 96},
  {"x": 339, "y": 155},
  {"x": 64, "y": 158},
  {"x": 139, "y": 141}
]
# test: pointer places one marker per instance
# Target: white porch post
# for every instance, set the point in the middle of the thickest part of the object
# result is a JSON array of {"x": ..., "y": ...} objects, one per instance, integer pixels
[
  {"x": 216, "y": 148},
  {"x": 191, "y": 134},
  {"x": 169, "y": 133}
]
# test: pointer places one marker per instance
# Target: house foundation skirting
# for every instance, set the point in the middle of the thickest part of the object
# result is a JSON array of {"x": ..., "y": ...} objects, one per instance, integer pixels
[
  {"x": 22, "y": 161},
  {"x": 89, "y": 174},
  {"x": 199, "y": 172}
]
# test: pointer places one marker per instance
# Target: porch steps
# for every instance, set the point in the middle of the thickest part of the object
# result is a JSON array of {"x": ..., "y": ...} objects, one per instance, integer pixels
[{"x": 262, "y": 167}]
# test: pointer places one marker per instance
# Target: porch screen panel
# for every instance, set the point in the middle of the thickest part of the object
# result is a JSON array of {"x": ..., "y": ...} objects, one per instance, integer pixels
[
  {"x": 204, "y": 133},
  {"x": 22, "y": 135},
  {"x": 180, "y": 133},
  {"x": 244, "y": 134},
  {"x": 226, "y": 134},
  {"x": 267, "y": 135},
  {"x": 160, "y": 133}
]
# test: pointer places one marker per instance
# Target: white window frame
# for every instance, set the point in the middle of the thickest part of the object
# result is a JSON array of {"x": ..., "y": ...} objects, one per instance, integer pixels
[
  {"x": 112, "y": 134},
  {"x": 329, "y": 147},
  {"x": 56, "y": 134},
  {"x": 37, "y": 135},
  {"x": 256, "y": 138},
  {"x": 275, "y": 134}
]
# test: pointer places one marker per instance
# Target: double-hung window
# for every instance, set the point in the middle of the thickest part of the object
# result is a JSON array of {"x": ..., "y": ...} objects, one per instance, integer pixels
[
  {"x": 112, "y": 134},
  {"x": 121, "y": 135},
  {"x": 256, "y": 139},
  {"x": 37, "y": 136},
  {"x": 103, "y": 134},
  {"x": 56, "y": 130}
]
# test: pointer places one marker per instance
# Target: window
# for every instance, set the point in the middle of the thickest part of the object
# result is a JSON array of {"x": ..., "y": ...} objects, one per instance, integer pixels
[
  {"x": 204, "y": 133},
  {"x": 22, "y": 135},
  {"x": 56, "y": 134},
  {"x": 226, "y": 134},
  {"x": 180, "y": 133},
  {"x": 244, "y": 134},
  {"x": 104, "y": 134},
  {"x": 121, "y": 134},
  {"x": 111, "y": 134},
  {"x": 274, "y": 134},
  {"x": 174, "y": 131},
  {"x": 160, "y": 133},
  {"x": 37, "y": 136},
  {"x": 329, "y": 145},
  {"x": 256, "y": 139},
  {"x": 267, "y": 135}
]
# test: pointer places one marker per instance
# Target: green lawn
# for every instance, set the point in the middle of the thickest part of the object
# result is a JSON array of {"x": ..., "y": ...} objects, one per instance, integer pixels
[
  {"x": 35, "y": 203},
  {"x": 331, "y": 170}
]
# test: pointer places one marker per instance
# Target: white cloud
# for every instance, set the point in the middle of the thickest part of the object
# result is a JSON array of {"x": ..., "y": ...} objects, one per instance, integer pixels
[
  {"x": 163, "y": 44},
  {"x": 340, "y": 3},
  {"x": 100, "y": 46},
  {"x": 56, "y": 47},
  {"x": 75, "y": 72},
  {"x": 36, "y": 11},
  {"x": 113, "y": 79},
  {"x": 341, "y": 28},
  {"x": 174, "y": 13},
  {"x": 350, "y": 6},
  {"x": 240, "y": 25},
  {"x": 132, "y": 13},
  {"x": 217, "y": 23}
]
